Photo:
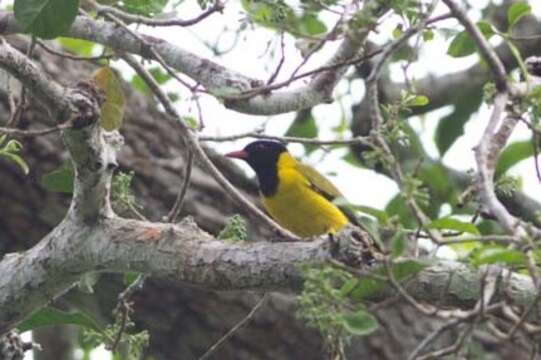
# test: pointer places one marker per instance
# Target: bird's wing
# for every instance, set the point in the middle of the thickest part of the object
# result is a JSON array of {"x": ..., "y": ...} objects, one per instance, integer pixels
[
  {"x": 318, "y": 182},
  {"x": 325, "y": 188}
]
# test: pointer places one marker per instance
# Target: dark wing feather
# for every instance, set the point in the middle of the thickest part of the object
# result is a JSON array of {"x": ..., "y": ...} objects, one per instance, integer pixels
[{"x": 325, "y": 188}]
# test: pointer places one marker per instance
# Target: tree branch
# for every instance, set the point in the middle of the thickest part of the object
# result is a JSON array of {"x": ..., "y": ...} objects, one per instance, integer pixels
[
  {"x": 184, "y": 253},
  {"x": 214, "y": 77},
  {"x": 492, "y": 59}
]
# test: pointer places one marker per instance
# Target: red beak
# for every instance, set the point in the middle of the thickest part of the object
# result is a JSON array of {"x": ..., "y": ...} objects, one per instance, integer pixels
[{"x": 241, "y": 154}]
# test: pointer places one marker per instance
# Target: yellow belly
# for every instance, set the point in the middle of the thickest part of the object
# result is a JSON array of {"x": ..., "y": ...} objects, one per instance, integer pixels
[{"x": 301, "y": 210}]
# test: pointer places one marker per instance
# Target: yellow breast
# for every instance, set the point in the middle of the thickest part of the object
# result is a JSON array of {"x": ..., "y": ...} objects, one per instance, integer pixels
[{"x": 298, "y": 208}]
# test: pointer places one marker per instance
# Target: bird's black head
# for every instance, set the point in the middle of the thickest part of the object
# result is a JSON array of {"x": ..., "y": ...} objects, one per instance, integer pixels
[{"x": 262, "y": 156}]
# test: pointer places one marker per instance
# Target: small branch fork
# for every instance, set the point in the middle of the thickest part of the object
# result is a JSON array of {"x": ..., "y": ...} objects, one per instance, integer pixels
[{"x": 128, "y": 18}]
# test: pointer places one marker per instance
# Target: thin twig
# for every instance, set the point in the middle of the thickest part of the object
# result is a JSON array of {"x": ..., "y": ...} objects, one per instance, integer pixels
[
  {"x": 50, "y": 50},
  {"x": 154, "y": 54},
  {"x": 136, "y": 285},
  {"x": 438, "y": 354},
  {"x": 265, "y": 89},
  {"x": 218, "y": 6},
  {"x": 430, "y": 338},
  {"x": 177, "y": 206},
  {"x": 315, "y": 48},
  {"x": 524, "y": 315},
  {"x": 280, "y": 63},
  {"x": 235, "y": 328},
  {"x": 492, "y": 59},
  {"x": 125, "y": 307},
  {"x": 502, "y": 239},
  {"x": 257, "y": 134},
  {"x": 37, "y": 132},
  {"x": 16, "y": 115}
]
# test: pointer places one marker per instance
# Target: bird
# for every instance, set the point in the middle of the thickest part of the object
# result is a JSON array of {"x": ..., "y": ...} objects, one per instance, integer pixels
[{"x": 296, "y": 195}]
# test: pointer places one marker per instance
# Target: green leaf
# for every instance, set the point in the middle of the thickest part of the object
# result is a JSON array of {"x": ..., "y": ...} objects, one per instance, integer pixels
[
  {"x": 371, "y": 226},
  {"x": 46, "y": 19},
  {"x": 398, "y": 244},
  {"x": 428, "y": 35},
  {"x": 518, "y": 57},
  {"x": 77, "y": 46},
  {"x": 397, "y": 31},
  {"x": 18, "y": 160},
  {"x": 437, "y": 177},
  {"x": 304, "y": 127},
  {"x": 463, "y": 44},
  {"x": 51, "y": 316},
  {"x": 378, "y": 214},
  {"x": 451, "y": 127},
  {"x": 130, "y": 277},
  {"x": 191, "y": 122},
  {"x": 112, "y": 110},
  {"x": 60, "y": 179},
  {"x": 486, "y": 29},
  {"x": 419, "y": 100},
  {"x": 464, "y": 249},
  {"x": 512, "y": 155},
  {"x": 496, "y": 254},
  {"x": 360, "y": 323},
  {"x": 309, "y": 24},
  {"x": 369, "y": 286},
  {"x": 348, "y": 287},
  {"x": 273, "y": 14},
  {"x": 352, "y": 159},
  {"x": 157, "y": 73},
  {"x": 453, "y": 224},
  {"x": 10, "y": 150},
  {"x": 397, "y": 207},
  {"x": 517, "y": 11},
  {"x": 144, "y": 7}
]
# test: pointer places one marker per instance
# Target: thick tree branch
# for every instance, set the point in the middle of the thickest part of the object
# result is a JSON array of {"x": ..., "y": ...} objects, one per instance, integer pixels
[
  {"x": 184, "y": 253},
  {"x": 179, "y": 252},
  {"x": 214, "y": 77}
]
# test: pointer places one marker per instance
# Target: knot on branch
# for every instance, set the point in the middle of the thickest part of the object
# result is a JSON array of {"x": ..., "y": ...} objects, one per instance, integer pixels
[
  {"x": 354, "y": 247},
  {"x": 533, "y": 65},
  {"x": 86, "y": 100},
  {"x": 12, "y": 347}
]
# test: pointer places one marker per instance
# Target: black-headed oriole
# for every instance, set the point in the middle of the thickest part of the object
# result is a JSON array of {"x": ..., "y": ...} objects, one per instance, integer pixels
[{"x": 296, "y": 195}]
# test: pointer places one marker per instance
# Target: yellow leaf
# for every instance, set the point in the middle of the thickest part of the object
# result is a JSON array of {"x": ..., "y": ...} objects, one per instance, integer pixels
[{"x": 112, "y": 110}]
